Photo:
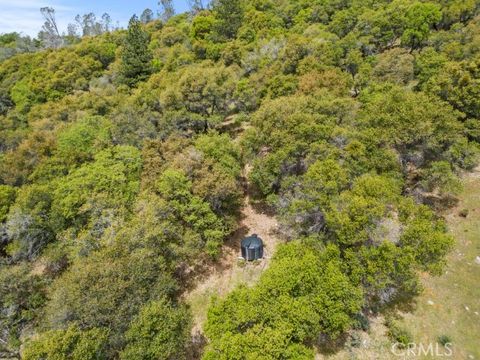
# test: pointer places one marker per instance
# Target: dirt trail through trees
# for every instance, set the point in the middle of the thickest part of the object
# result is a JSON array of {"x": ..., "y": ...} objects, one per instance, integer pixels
[{"x": 229, "y": 271}]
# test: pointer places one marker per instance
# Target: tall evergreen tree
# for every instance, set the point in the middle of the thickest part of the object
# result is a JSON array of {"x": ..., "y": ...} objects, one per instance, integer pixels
[
  {"x": 230, "y": 16},
  {"x": 136, "y": 57}
]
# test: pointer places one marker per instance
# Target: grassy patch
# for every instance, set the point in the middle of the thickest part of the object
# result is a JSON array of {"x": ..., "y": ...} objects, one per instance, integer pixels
[
  {"x": 220, "y": 284},
  {"x": 450, "y": 303},
  {"x": 448, "y": 310}
]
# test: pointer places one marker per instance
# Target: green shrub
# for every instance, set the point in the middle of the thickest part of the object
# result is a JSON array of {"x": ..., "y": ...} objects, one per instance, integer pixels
[
  {"x": 7, "y": 197},
  {"x": 398, "y": 333},
  {"x": 160, "y": 332},
  {"x": 463, "y": 213},
  {"x": 72, "y": 344},
  {"x": 361, "y": 322},
  {"x": 444, "y": 340},
  {"x": 355, "y": 340}
]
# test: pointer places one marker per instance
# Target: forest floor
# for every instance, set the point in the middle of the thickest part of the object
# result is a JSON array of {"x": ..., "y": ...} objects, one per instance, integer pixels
[
  {"x": 230, "y": 270},
  {"x": 449, "y": 304}
]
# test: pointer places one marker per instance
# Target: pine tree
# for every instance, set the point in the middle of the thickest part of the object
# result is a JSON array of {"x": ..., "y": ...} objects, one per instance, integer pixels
[
  {"x": 230, "y": 16},
  {"x": 136, "y": 57}
]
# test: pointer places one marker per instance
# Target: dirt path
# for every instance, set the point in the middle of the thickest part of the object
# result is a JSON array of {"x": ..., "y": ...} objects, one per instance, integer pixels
[{"x": 230, "y": 271}]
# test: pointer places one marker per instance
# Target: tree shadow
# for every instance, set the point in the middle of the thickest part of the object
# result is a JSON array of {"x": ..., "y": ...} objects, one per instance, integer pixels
[
  {"x": 440, "y": 203},
  {"x": 395, "y": 309},
  {"x": 195, "y": 346},
  {"x": 231, "y": 125},
  {"x": 190, "y": 276},
  {"x": 260, "y": 206},
  {"x": 257, "y": 200},
  {"x": 327, "y": 346}
]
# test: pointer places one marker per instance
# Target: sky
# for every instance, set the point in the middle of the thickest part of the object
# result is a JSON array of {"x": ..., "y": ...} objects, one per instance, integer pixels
[{"x": 24, "y": 15}]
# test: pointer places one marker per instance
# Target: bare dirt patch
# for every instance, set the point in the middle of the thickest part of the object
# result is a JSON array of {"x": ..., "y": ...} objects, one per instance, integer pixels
[{"x": 228, "y": 272}]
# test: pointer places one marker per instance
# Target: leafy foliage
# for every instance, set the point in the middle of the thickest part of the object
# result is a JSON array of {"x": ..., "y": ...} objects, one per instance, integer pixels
[
  {"x": 301, "y": 295},
  {"x": 71, "y": 343},
  {"x": 7, "y": 197},
  {"x": 122, "y": 158},
  {"x": 108, "y": 289},
  {"x": 160, "y": 332}
]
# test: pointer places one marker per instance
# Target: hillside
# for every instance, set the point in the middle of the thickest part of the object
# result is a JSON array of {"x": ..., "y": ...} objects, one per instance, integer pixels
[
  {"x": 448, "y": 305},
  {"x": 133, "y": 161}
]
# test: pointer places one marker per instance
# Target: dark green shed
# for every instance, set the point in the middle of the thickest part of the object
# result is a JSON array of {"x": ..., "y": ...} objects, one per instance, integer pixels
[{"x": 252, "y": 248}]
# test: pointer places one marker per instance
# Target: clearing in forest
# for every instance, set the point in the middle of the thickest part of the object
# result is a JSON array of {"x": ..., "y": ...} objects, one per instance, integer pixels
[{"x": 230, "y": 271}]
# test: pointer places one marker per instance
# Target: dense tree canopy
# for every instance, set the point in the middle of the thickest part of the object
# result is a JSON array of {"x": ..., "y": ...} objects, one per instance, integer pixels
[
  {"x": 161, "y": 331},
  {"x": 71, "y": 343},
  {"x": 124, "y": 155}
]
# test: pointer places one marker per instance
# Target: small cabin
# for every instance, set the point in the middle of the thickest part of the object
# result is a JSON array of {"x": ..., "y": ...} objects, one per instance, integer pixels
[{"x": 252, "y": 248}]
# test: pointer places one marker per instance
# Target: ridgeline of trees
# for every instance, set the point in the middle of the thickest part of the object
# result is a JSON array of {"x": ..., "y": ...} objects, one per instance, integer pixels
[
  {"x": 53, "y": 37},
  {"x": 119, "y": 178}
]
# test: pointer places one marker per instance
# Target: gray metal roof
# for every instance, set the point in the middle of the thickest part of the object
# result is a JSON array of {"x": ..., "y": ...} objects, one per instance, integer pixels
[{"x": 252, "y": 241}]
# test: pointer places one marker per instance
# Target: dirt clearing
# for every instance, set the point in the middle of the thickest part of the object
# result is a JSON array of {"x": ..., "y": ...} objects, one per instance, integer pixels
[{"x": 230, "y": 271}]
